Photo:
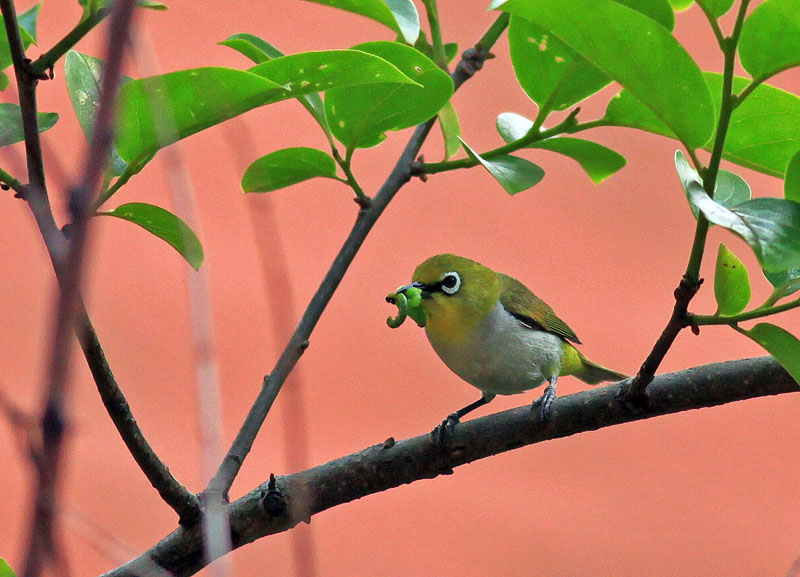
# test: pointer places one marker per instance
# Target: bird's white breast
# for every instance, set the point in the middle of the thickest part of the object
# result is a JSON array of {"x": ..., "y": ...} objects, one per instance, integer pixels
[{"x": 503, "y": 356}]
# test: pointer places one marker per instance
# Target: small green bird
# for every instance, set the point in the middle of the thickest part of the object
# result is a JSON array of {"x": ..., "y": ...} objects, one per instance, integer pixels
[{"x": 494, "y": 333}]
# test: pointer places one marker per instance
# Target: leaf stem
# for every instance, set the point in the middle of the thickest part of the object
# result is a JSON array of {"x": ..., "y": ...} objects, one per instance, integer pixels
[
  {"x": 439, "y": 55},
  {"x": 351, "y": 181},
  {"x": 41, "y": 65},
  {"x": 12, "y": 182},
  {"x": 745, "y": 316},
  {"x": 712, "y": 20},
  {"x": 567, "y": 126}
]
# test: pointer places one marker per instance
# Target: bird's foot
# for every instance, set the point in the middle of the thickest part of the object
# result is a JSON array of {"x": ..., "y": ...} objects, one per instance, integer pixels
[
  {"x": 445, "y": 430},
  {"x": 543, "y": 403}
]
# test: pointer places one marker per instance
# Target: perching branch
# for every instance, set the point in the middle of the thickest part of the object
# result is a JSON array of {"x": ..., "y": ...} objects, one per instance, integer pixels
[
  {"x": 266, "y": 510},
  {"x": 471, "y": 62},
  {"x": 691, "y": 281}
]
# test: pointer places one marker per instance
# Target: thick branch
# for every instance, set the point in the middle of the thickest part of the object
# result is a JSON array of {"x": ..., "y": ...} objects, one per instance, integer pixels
[
  {"x": 266, "y": 509},
  {"x": 471, "y": 62}
]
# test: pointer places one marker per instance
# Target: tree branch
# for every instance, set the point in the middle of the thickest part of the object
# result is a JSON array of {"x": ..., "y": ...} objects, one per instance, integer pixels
[
  {"x": 471, "y": 62},
  {"x": 46, "y": 61},
  {"x": 185, "y": 504},
  {"x": 41, "y": 542},
  {"x": 691, "y": 281},
  {"x": 267, "y": 509}
]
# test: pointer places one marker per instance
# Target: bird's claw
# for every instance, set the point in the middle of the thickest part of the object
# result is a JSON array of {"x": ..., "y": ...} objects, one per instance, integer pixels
[
  {"x": 445, "y": 430},
  {"x": 544, "y": 402}
]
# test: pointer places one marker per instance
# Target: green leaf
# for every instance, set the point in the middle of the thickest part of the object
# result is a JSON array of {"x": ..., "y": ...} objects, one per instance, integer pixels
[
  {"x": 763, "y": 135},
  {"x": 360, "y": 116},
  {"x": 716, "y": 7},
  {"x": 399, "y": 15},
  {"x": 658, "y": 10},
  {"x": 184, "y": 102},
  {"x": 4, "y": 80},
  {"x": 514, "y": 174},
  {"x": 636, "y": 51},
  {"x": 780, "y": 344},
  {"x": 771, "y": 226},
  {"x": 157, "y": 111},
  {"x": 11, "y": 130},
  {"x": 681, "y": 5},
  {"x": 730, "y": 188},
  {"x": 165, "y": 226},
  {"x": 770, "y": 40},
  {"x": 259, "y": 51},
  {"x": 764, "y": 132},
  {"x": 785, "y": 282},
  {"x": 549, "y": 71},
  {"x": 286, "y": 167},
  {"x": 407, "y": 18},
  {"x": 27, "y": 21},
  {"x": 82, "y": 74},
  {"x": 595, "y": 159},
  {"x": 731, "y": 283},
  {"x": 791, "y": 184},
  {"x": 5, "y": 570},
  {"x": 451, "y": 129}
]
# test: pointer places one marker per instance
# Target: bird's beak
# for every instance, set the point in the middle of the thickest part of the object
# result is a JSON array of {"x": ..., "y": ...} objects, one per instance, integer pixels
[{"x": 426, "y": 289}]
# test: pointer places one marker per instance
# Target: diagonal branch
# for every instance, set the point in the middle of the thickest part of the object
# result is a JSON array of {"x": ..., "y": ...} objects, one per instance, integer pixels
[
  {"x": 267, "y": 509},
  {"x": 471, "y": 62}
]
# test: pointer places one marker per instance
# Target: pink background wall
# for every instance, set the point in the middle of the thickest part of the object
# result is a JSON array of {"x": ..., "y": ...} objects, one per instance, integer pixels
[{"x": 711, "y": 492}]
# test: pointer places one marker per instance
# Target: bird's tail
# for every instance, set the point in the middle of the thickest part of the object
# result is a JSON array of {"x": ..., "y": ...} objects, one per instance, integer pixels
[{"x": 574, "y": 363}]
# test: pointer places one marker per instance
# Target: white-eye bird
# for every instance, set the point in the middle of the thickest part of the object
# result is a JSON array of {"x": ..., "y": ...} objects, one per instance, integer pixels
[{"x": 494, "y": 333}]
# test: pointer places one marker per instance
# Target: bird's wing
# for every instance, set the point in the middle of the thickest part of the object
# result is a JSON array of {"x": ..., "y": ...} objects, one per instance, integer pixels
[{"x": 518, "y": 300}]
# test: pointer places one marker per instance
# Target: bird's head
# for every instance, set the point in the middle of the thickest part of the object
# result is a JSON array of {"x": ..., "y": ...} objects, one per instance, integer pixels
[{"x": 457, "y": 294}]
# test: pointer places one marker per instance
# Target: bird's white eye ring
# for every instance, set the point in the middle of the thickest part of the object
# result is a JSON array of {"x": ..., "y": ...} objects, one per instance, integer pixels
[{"x": 450, "y": 283}]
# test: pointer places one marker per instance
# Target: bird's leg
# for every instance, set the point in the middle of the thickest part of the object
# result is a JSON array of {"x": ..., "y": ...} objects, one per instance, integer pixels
[
  {"x": 546, "y": 400},
  {"x": 445, "y": 429}
]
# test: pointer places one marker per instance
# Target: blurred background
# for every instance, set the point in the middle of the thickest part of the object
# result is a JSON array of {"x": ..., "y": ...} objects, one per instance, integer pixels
[{"x": 709, "y": 492}]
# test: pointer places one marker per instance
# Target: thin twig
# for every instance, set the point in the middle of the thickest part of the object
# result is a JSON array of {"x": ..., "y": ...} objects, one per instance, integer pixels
[
  {"x": 265, "y": 510},
  {"x": 46, "y": 61},
  {"x": 41, "y": 542},
  {"x": 367, "y": 216},
  {"x": 184, "y": 503}
]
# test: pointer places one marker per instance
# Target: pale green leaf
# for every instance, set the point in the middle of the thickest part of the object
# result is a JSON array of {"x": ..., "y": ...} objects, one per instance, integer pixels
[
  {"x": 731, "y": 283},
  {"x": 11, "y": 129},
  {"x": 514, "y": 174},
  {"x": 82, "y": 74},
  {"x": 791, "y": 184},
  {"x": 451, "y": 129}
]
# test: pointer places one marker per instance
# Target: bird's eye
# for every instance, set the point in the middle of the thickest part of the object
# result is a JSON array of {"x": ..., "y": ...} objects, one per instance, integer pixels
[{"x": 450, "y": 283}]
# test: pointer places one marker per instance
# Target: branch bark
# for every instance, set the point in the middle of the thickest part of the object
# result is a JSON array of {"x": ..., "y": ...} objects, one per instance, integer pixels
[
  {"x": 267, "y": 509},
  {"x": 471, "y": 61}
]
